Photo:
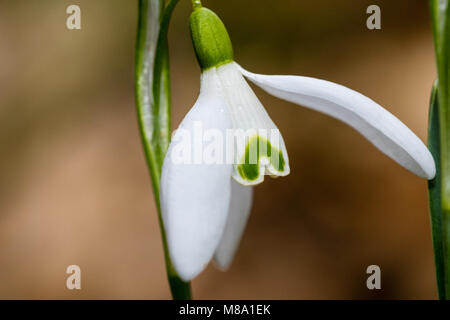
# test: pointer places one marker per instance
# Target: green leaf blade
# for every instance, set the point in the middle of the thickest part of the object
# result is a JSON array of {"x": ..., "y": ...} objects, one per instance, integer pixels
[
  {"x": 152, "y": 92},
  {"x": 434, "y": 194}
]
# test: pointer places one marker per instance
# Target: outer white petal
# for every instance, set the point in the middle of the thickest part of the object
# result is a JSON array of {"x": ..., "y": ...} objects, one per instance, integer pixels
[
  {"x": 195, "y": 197},
  {"x": 240, "y": 207},
  {"x": 374, "y": 122}
]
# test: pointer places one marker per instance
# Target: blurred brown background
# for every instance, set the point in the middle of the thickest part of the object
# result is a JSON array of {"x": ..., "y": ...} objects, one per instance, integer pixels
[{"x": 74, "y": 187}]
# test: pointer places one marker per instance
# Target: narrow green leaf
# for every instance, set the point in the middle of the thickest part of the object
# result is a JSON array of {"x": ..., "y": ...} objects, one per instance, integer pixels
[
  {"x": 153, "y": 106},
  {"x": 440, "y": 16},
  {"x": 148, "y": 34},
  {"x": 434, "y": 193}
]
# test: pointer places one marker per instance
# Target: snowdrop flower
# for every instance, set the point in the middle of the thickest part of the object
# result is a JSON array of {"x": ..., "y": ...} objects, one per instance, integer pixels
[{"x": 205, "y": 206}]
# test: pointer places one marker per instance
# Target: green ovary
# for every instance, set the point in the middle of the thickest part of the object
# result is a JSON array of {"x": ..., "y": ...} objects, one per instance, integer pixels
[
  {"x": 210, "y": 37},
  {"x": 256, "y": 149}
]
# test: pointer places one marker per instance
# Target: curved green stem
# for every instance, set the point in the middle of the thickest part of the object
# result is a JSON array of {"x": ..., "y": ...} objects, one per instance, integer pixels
[{"x": 152, "y": 92}]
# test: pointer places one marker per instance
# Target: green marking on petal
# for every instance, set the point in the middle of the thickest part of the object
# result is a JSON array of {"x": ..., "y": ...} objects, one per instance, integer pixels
[{"x": 259, "y": 149}]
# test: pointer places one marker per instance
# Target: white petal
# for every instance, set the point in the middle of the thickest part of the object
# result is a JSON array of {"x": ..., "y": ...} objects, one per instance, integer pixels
[
  {"x": 374, "y": 122},
  {"x": 195, "y": 197},
  {"x": 252, "y": 127},
  {"x": 240, "y": 207}
]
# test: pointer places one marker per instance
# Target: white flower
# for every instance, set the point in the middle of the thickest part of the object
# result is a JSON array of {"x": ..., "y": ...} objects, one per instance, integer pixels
[{"x": 205, "y": 206}]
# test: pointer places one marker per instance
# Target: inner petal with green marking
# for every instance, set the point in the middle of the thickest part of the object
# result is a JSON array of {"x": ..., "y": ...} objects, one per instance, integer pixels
[
  {"x": 259, "y": 148},
  {"x": 259, "y": 157}
]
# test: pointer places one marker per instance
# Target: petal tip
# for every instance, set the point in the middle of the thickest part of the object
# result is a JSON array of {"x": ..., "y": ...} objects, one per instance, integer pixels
[
  {"x": 427, "y": 165},
  {"x": 187, "y": 272},
  {"x": 221, "y": 262},
  {"x": 431, "y": 172}
]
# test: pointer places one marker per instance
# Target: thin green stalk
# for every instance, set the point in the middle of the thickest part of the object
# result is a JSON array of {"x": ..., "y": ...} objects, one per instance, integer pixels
[
  {"x": 440, "y": 16},
  {"x": 153, "y": 107}
]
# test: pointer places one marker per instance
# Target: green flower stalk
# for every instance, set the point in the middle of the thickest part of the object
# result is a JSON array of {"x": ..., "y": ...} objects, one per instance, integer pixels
[
  {"x": 439, "y": 144},
  {"x": 153, "y": 107}
]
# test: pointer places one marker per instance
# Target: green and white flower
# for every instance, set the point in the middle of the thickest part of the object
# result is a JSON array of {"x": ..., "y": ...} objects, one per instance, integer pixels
[{"x": 205, "y": 206}]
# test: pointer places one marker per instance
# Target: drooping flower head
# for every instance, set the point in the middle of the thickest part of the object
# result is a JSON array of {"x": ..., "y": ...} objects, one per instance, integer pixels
[{"x": 227, "y": 143}]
